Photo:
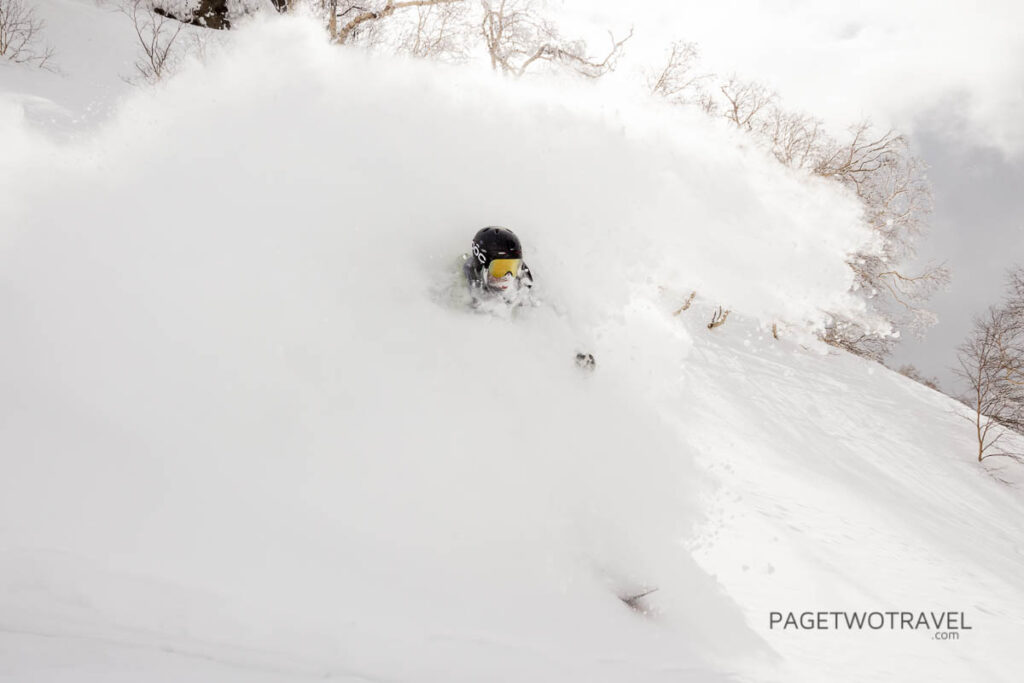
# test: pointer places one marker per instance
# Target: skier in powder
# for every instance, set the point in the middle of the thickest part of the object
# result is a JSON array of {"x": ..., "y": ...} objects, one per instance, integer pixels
[
  {"x": 495, "y": 271},
  {"x": 497, "y": 276}
]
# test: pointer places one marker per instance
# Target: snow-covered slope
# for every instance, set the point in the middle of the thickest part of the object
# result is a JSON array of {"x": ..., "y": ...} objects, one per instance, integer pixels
[{"x": 249, "y": 431}]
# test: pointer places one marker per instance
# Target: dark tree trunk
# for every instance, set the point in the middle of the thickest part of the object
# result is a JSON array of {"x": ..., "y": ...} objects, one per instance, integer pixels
[{"x": 210, "y": 13}]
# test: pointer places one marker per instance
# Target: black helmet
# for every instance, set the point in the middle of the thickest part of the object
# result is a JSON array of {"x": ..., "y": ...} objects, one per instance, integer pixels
[{"x": 495, "y": 243}]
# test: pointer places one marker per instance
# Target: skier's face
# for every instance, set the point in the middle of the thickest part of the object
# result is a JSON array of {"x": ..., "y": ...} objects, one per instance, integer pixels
[
  {"x": 502, "y": 283},
  {"x": 501, "y": 273}
]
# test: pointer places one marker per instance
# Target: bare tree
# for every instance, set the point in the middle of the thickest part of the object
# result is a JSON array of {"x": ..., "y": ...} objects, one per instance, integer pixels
[
  {"x": 911, "y": 372},
  {"x": 20, "y": 32},
  {"x": 795, "y": 139},
  {"x": 992, "y": 363},
  {"x": 677, "y": 80},
  {"x": 888, "y": 178},
  {"x": 157, "y": 34},
  {"x": 854, "y": 337},
  {"x": 517, "y": 37},
  {"x": 347, "y": 18},
  {"x": 891, "y": 185},
  {"x": 440, "y": 31},
  {"x": 745, "y": 103}
]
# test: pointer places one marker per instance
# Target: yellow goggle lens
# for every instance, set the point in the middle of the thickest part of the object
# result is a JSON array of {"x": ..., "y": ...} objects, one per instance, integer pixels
[{"x": 502, "y": 266}]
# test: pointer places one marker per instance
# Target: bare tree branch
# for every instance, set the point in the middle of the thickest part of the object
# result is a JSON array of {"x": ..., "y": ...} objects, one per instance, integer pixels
[
  {"x": 913, "y": 373},
  {"x": 517, "y": 38},
  {"x": 157, "y": 33},
  {"x": 686, "y": 304},
  {"x": 364, "y": 15},
  {"x": 745, "y": 101},
  {"x": 676, "y": 80},
  {"x": 718, "y": 318},
  {"x": 441, "y": 31},
  {"x": 20, "y": 31}
]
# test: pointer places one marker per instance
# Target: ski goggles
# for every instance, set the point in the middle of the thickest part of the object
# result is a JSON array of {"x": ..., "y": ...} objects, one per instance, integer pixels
[{"x": 499, "y": 268}]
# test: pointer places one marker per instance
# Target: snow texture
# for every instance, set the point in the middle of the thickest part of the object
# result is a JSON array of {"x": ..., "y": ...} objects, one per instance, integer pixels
[{"x": 248, "y": 432}]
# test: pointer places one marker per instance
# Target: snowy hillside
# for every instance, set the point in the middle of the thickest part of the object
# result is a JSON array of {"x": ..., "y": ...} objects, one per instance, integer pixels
[{"x": 249, "y": 430}]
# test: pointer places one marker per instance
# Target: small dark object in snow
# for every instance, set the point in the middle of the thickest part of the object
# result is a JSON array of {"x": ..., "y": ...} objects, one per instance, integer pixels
[
  {"x": 634, "y": 602},
  {"x": 718, "y": 318},
  {"x": 585, "y": 361}
]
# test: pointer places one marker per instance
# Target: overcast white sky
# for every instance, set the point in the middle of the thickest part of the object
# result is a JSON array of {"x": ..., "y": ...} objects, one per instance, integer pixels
[
  {"x": 948, "y": 74},
  {"x": 977, "y": 228}
]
